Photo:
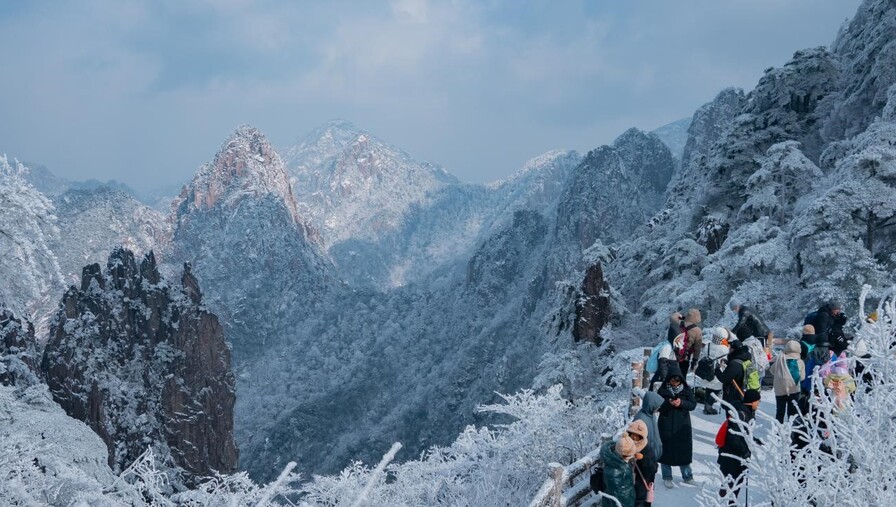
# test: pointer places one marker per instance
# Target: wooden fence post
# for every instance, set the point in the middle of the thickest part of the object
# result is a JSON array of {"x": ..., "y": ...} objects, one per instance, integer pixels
[{"x": 557, "y": 490}]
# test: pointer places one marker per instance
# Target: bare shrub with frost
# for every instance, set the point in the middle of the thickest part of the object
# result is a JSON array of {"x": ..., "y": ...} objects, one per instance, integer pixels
[{"x": 503, "y": 465}]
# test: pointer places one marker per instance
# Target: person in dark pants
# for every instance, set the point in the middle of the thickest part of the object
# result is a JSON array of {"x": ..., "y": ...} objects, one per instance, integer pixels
[
  {"x": 788, "y": 371},
  {"x": 734, "y": 453},
  {"x": 674, "y": 425}
]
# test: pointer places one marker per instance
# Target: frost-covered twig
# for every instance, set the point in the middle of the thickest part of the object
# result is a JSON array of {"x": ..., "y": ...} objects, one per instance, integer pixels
[
  {"x": 376, "y": 474},
  {"x": 273, "y": 487}
]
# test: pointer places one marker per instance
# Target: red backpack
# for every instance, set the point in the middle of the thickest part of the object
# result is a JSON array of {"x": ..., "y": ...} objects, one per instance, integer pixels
[{"x": 722, "y": 433}]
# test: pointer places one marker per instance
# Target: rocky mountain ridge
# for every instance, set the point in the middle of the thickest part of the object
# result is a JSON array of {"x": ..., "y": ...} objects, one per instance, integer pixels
[{"x": 143, "y": 363}]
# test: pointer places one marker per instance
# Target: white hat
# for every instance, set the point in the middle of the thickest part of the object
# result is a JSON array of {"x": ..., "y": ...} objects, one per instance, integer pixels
[{"x": 718, "y": 334}]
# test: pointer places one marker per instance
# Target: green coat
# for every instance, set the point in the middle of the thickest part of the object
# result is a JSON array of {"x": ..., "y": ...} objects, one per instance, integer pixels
[{"x": 618, "y": 477}]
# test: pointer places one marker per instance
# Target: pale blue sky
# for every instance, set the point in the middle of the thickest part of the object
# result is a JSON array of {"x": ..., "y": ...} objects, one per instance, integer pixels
[{"x": 146, "y": 91}]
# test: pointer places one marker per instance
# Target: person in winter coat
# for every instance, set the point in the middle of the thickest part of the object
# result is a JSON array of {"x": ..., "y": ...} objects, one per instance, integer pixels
[
  {"x": 807, "y": 340},
  {"x": 749, "y": 324},
  {"x": 839, "y": 382},
  {"x": 674, "y": 424},
  {"x": 715, "y": 350},
  {"x": 731, "y": 372},
  {"x": 650, "y": 404},
  {"x": 686, "y": 338},
  {"x": 646, "y": 464},
  {"x": 735, "y": 452},
  {"x": 818, "y": 357},
  {"x": 619, "y": 480},
  {"x": 788, "y": 371},
  {"x": 823, "y": 320},
  {"x": 837, "y": 336}
]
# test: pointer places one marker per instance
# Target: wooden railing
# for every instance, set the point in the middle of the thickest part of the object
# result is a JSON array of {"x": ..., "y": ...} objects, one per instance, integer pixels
[{"x": 570, "y": 485}]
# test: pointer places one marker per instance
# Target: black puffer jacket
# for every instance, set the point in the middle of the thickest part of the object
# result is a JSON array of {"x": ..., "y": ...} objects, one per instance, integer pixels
[
  {"x": 733, "y": 372},
  {"x": 823, "y": 323},
  {"x": 674, "y": 423},
  {"x": 749, "y": 324},
  {"x": 735, "y": 445}
]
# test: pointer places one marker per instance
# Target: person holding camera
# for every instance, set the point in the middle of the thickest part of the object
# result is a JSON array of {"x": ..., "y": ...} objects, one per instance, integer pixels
[{"x": 674, "y": 424}]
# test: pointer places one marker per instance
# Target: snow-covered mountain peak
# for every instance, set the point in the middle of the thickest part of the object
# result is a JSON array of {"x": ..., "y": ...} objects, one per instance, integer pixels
[
  {"x": 537, "y": 164},
  {"x": 246, "y": 166},
  {"x": 351, "y": 184}
]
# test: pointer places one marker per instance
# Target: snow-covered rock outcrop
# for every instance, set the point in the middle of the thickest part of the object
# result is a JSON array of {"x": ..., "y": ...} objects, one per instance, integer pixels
[{"x": 144, "y": 364}]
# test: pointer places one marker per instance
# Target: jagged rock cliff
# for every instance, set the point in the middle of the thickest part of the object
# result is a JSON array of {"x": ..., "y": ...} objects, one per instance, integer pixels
[
  {"x": 144, "y": 364},
  {"x": 593, "y": 309},
  {"x": 19, "y": 358}
]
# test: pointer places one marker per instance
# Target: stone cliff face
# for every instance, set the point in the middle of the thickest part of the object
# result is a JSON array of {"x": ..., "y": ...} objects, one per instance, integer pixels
[
  {"x": 593, "y": 309},
  {"x": 18, "y": 351},
  {"x": 143, "y": 364}
]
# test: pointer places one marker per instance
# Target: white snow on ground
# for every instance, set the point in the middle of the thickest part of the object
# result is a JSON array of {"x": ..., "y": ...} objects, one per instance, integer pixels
[{"x": 705, "y": 454}]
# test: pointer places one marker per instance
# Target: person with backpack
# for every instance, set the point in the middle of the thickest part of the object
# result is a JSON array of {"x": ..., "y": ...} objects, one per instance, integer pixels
[
  {"x": 674, "y": 424},
  {"x": 788, "y": 371},
  {"x": 737, "y": 373},
  {"x": 749, "y": 324},
  {"x": 734, "y": 450},
  {"x": 686, "y": 338},
  {"x": 645, "y": 465},
  {"x": 714, "y": 351},
  {"x": 820, "y": 355},
  {"x": 619, "y": 481}
]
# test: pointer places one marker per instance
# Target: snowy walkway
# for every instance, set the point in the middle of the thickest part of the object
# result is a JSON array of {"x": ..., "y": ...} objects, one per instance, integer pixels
[{"x": 705, "y": 454}]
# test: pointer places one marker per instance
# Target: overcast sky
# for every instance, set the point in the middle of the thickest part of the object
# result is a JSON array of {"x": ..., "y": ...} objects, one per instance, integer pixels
[{"x": 144, "y": 92}]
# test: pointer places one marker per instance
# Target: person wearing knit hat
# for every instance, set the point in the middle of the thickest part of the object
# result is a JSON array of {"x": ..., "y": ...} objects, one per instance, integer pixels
[
  {"x": 619, "y": 479},
  {"x": 646, "y": 464},
  {"x": 735, "y": 451},
  {"x": 625, "y": 447},
  {"x": 788, "y": 371}
]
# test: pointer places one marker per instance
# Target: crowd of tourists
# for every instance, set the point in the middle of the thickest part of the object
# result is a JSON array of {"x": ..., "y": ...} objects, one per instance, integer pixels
[{"x": 727, "y": 367}]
